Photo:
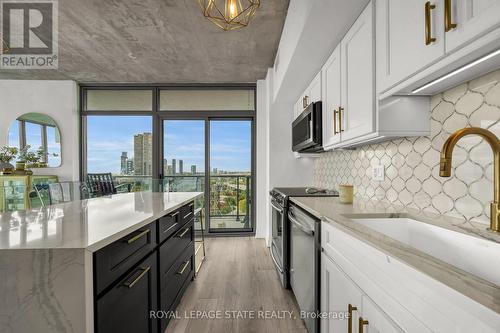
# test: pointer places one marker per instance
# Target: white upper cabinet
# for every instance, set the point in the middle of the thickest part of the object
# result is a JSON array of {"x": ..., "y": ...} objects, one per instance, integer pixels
[
  {"x": 357, "y": 115},
  {"x": 310, "y": 95},
  {"x": 468, "y": 19},
  {"x": 314, "y": 89},
  {"x": 331, "y": 99},
  {"x": 410, "y": 35}
]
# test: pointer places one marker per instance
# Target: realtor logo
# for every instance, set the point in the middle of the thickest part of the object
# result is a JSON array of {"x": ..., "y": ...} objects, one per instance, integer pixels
[{"x": 28, "y": 31}]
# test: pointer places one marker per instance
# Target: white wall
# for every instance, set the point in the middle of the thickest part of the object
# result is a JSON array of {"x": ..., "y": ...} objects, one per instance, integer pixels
[
  {"x": 262, "y": 181},
  {"x": 58, "y": 99},
  {"x": 276, "y": 163}
]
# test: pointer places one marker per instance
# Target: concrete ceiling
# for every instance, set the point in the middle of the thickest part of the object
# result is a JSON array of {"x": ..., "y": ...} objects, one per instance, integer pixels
[{"x": 166, "y": 41}]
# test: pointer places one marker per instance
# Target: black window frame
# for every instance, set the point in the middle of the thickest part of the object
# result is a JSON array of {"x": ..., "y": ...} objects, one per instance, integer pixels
[{"x": 158, "y": 116}]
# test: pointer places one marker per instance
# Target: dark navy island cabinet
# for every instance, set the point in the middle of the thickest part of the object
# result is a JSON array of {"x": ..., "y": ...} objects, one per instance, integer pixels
[{"x": 147, "y": 270}]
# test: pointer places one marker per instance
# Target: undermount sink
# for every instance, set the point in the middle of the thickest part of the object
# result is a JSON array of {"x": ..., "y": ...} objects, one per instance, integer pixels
[{"x": 476, "y": 256}]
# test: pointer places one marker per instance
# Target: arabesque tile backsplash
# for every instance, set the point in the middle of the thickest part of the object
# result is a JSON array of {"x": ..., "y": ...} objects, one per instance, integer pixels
[{"x": 412, "y": 164}]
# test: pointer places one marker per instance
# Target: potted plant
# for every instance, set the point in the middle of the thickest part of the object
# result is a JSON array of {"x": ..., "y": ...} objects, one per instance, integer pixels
[
  {"x": 42, "y": 156},
  {"x": 7, "y": 154},
  {"x": 25, "y": 158}
]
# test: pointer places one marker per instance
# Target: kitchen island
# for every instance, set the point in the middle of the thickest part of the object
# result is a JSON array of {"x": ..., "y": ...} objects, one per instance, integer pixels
[{"x": 96, "y": 265}]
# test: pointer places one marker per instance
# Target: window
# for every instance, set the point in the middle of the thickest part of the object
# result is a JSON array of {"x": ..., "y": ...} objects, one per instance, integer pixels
[
  {"x": 219, "y": 100},
  {"x": 119, "y": 100},
  {"x": 186, "y": 138},
  {"x": 122, "y": 146}
]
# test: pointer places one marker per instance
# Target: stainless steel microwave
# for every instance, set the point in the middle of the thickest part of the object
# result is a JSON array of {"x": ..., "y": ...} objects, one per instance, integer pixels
[{"x": 307, "y": 134}]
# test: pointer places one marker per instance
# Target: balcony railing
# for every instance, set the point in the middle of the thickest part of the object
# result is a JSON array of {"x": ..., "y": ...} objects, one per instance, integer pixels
[{"x": 230, "y": 194}]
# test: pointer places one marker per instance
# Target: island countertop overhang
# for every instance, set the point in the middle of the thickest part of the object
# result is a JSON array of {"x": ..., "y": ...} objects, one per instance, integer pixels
[{"x": 87, "y": 224}]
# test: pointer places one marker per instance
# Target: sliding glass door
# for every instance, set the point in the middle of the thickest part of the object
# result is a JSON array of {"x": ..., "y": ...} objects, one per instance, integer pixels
[
  {"x": 223, "y": 146},
  {"x": 230, "y": 175}
]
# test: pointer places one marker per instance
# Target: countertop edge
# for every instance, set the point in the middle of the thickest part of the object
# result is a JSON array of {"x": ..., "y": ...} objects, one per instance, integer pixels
[{"x": 122, "y": 233}]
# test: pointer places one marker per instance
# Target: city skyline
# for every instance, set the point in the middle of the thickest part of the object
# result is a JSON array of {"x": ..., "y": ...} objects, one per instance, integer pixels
[{"x": 109, "y": 136}]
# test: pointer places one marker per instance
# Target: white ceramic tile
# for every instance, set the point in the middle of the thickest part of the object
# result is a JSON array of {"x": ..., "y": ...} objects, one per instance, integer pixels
[
  {"x": 454, "y": 94},
  {"x": 412, "y": 164}
]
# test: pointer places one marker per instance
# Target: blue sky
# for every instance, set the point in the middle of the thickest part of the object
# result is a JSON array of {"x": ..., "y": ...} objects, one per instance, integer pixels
[{"x": 108, "y": 136}]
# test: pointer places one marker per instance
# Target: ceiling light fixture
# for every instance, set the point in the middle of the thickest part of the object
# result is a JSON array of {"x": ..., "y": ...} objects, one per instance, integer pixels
[
  {"x": 456, "y": 71},
  {"x": 229, "y": 14}
]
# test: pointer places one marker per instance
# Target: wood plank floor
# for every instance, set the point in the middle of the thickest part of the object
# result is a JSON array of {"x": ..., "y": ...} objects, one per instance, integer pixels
[{"x": 237, "y": 275}]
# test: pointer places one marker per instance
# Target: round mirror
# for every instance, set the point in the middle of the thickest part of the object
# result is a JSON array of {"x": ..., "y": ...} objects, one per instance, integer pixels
[{"x": 40, "y": 135}]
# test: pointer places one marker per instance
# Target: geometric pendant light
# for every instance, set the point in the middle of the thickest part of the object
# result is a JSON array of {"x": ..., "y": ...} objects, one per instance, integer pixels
[{"x": 229, "y": 14}]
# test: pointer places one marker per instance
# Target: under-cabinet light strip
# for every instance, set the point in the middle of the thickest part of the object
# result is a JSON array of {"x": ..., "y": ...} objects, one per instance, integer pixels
[{"x": 456, "y": 71}]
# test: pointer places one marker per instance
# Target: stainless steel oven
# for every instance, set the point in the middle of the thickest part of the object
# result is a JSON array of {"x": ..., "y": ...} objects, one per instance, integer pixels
[{"x": 307, "y": 130}]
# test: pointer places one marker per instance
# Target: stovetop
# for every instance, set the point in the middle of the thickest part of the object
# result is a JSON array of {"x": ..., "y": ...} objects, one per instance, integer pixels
[
  {"x": 280, "y": 195},
  {"x": 304, "y": 192}
]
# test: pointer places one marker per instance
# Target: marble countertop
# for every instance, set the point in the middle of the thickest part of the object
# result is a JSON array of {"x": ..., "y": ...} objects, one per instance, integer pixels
[
  {"x": 332, "y": 211},
  {"x": 87, "y": 224}
]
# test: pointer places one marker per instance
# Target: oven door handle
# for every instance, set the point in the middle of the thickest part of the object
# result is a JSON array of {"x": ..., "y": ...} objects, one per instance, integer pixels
[
  {"x": 277, "y": 208},
  {"x": 300, "y": 226},
  {"x": 275, "y": 261}
]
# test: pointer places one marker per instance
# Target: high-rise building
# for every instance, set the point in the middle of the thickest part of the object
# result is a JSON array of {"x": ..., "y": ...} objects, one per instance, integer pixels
[
  {"x": 165, "y": 166},
  {"x": 130, "y": 167},
  {"x": 123, "y": 163},
  {"x": 193, "y": 169},
  {"x": 143, "y": 160},
  {"x": 174, "y": 162},
  {"x": 214, "y": 171},
  {"x": 181, "y": 167}
]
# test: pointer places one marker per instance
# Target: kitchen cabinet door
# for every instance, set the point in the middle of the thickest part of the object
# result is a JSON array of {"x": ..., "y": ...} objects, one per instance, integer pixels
[
  {"x": 357, "y": 78},
  {"x": 127, "y": 305},
  {"x": 330, "y": 75},
  {"x": 314, "y": 89},
  {"x": 337, "y": 293},
  {"x": 378, "y": 322},
  {"x": 401, "y": 48},
  {"x": 473, "y": 18}
]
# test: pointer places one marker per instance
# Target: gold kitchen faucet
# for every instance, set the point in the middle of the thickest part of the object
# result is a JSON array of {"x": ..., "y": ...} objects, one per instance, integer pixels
[{"x": 445, "y": 165}]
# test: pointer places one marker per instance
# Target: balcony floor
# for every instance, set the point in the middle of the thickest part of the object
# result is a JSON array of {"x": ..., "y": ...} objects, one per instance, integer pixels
[{"x": 238, "y": 274}]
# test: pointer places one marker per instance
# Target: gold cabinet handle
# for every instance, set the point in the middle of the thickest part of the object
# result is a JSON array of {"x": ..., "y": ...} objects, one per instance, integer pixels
[
  {"x": 448, "y": 24},
  {"x": 350, "y": 309},
  {"x": 138, "y": 236},
  {"x": 305, "y": 101},
  {"x": 335, "y": 121},
  {"x": 186, "y": 263},
  {"x": 341, "y": 111},
  {"x": 362, "y": 324},
  {"x": 428, "y": 29},
  {"x": 130, "y": 285},
  {"x": 184, "y": 232}
]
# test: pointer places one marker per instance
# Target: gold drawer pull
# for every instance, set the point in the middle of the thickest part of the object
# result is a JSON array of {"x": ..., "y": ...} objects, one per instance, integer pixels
[
  {"x": 448, "y": 25},
  {"x": 130, "y": 285},
  {"x": 186, "y": 263},
  {"x": 350, "y": 309},
  {"x": 136, "y": 237},
  {"x": 171, "y": 227},
  {"x": 428, "y": 29},
  {"x": 362, "y": 324},
  {"x": 184, "y": 232}
]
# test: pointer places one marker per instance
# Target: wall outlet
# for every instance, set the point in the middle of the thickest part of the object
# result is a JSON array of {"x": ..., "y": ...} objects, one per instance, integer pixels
[{"x": 378, "y": 172}]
